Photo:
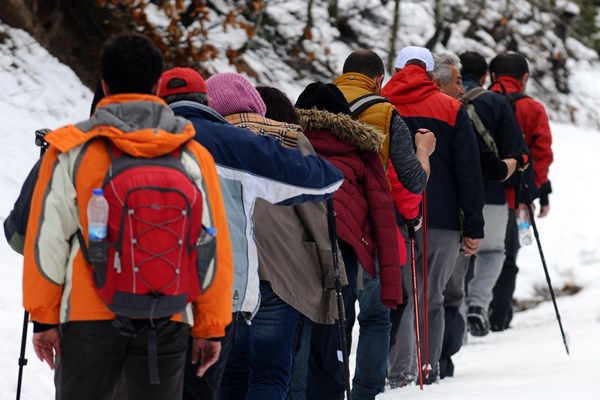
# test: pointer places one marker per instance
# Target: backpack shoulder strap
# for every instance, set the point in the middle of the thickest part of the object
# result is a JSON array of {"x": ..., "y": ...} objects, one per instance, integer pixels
[
  {"x": 481, "y": 130},
  {"x": 360, "y": 104},
  {"x": 516, "y": 96},
  {"x": 472, "y": 94}
]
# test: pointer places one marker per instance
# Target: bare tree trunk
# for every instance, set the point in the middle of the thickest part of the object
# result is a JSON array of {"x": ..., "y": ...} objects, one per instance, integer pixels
[
  {"x": 333, "y": 9},
  {"x": 437, "y": 12},
  {"x": 251, "y": 44},
  {"x": 394, "y": 37},
  {"x": 306, "y": 33}
]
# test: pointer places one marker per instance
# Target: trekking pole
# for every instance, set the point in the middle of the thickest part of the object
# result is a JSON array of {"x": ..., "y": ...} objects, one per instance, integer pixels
[
  {"x": 524, "y": 189},
  {"x": 22, "y": 359},
  {"x": 338, "y": 293},
  {"x": 427, "y": 365},
  {"x": 43, "y": 145},
  {"x": 413, "y": 265}
]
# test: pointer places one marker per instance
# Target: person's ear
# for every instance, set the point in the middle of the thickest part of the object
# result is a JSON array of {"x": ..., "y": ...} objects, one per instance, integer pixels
[
  {"x": 523, "y": 80},
  {"x": 105, "y": 88},
  {"x": 493, "y": 76},
  {"x": 156, "y": 87},
  {"x": 482, "y": 80},
  {"x": 379, "y": 82}
]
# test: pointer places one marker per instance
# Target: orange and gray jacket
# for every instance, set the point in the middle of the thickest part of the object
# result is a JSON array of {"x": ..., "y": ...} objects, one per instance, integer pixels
[{"x": 57, "y": 282}]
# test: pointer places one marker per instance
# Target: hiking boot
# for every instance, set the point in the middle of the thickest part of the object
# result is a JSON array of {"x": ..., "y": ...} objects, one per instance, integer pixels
[
  {"x": 477, "y": 320},
  {"x": 430, "y": 380},
  {"x": 400, "y": 383}
]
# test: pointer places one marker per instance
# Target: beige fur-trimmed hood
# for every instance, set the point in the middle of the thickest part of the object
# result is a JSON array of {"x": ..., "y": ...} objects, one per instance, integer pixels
[{"x": 362, "y": 136}]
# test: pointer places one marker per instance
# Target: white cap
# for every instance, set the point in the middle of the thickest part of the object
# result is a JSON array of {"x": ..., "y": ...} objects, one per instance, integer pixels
[{"x": 415, "y": 53}]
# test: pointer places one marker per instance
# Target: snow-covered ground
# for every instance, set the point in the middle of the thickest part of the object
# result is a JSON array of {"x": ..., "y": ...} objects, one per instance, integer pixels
[{"x": 526, "y": 362}]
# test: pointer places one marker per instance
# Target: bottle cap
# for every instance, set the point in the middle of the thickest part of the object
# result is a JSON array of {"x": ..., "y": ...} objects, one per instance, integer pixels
[
  {"x": 211, "y": 231},
  {"x": 98, "y": 191}
]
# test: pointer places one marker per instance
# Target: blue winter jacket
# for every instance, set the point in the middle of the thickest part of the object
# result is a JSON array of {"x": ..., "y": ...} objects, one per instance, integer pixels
[{"x": 252, "y": 167}]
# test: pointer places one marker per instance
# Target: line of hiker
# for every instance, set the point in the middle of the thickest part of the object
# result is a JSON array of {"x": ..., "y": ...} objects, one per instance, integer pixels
[{"x": 241, "y": 229}]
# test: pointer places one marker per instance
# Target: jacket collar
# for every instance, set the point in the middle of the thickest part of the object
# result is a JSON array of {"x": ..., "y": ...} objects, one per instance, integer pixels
[
  {"x": 409, "y": 85},
  {"x": 354, "y": 79},
  {"x": 506, "y": 82},
  {"x": 192, "y": 108}
]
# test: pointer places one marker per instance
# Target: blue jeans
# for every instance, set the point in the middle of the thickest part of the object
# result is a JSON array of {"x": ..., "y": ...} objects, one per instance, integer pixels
[
  {"x": 260, "y": 361},
  {"x": 373, "y": 341}
]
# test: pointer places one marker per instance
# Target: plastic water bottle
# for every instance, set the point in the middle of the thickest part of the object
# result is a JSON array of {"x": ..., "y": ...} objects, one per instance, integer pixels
[
  {"x": 524, "y": 228},
  {"x": 97, "y": 213},
  {"x": 207, "y": 247}
]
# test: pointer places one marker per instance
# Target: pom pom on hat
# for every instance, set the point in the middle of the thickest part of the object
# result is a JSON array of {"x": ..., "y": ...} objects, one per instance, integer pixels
[
  {"x": 415, "y": 53},
  {"x": 323, "y": 96},
  {"x": 181, "y": 81},
  {"x": 232, "y": 93}
]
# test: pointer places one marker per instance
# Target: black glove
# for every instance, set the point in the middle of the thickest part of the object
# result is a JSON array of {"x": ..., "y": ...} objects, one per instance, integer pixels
[
  {"x": 545, "y": 190},
  {"x": 414, "y": 223}
]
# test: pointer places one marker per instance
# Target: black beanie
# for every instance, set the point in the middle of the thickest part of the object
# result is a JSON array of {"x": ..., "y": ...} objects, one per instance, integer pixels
[{"x": 323, "y": 96}]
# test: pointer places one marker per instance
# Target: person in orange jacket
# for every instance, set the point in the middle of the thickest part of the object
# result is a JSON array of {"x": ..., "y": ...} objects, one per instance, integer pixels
[{"x": 70, "y": 319}]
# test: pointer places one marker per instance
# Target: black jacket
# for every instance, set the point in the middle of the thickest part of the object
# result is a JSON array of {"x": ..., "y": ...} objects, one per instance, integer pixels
[{"x": 496, "y": 113}]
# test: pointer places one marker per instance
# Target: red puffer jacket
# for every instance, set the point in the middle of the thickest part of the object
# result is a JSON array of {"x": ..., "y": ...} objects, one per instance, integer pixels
[{"x": 363, "y": 204}]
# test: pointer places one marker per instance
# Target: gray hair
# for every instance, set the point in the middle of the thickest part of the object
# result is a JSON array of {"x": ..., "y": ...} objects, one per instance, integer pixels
[{"x": 442, "y": 61}]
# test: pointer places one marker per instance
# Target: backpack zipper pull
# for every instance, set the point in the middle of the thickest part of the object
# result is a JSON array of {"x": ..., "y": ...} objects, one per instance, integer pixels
[{"x": 117, "y": 262}]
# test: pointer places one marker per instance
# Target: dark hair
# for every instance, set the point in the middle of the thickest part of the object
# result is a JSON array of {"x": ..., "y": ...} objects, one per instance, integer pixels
[
  {"x": 418, "y": 63},
  {"x": 364, "y": 62},
  {"x": 474, "y": 65},
  {"x": 279, "y": 106},
  {"x": 98, "y": 95},
  {"x": 131, "y": 63},
  {"x": 196, "y": 97},
  {"x": 510, "y": 64}
]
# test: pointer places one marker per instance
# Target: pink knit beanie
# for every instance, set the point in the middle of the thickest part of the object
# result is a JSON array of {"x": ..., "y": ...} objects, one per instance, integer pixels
[{"x": 232, "y": 93}]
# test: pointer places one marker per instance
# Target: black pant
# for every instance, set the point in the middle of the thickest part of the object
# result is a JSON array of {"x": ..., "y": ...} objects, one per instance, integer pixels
[
  {"x": 207, "y": 387},
  {"x": 325, "y": 376},
  {"x": 501, "y": 306},
  {"x": 454, "y": 333},
  {"x": 94, "y": 354}
]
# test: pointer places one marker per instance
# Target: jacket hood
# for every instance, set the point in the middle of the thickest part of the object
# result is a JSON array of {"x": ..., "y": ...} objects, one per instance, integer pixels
[
  {"x": 354, "y": 79},
  {"x": 139, "y": 125},
  {"x": 362, "y": 136},
  {"x": 409, "y": 85}
]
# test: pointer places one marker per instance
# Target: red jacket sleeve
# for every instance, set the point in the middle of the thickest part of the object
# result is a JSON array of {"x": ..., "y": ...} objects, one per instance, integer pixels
[
  {"x": 406, "y": 202},
  {"x": 534, "y": 121}
]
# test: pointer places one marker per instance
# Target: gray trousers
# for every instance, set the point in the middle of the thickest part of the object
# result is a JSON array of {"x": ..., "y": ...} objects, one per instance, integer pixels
[
  {"x": 489, "y": 258},
  {"x": 442, "y": 250}
]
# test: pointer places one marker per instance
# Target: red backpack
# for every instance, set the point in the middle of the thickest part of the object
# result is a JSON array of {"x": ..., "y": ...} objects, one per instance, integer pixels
[{"x": 148, "y": 267}]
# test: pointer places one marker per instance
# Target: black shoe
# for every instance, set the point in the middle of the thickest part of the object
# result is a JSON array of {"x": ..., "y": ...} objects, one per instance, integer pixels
[
  {"x": 430, "y": 380},
  {"x": 477, "y": 320}
]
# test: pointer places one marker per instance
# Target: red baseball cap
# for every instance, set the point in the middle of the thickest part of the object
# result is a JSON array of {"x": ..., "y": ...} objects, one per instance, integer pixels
[{"x": 181, "y": 80}]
